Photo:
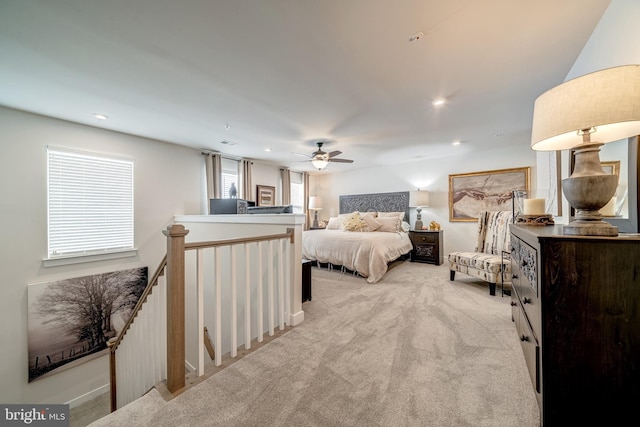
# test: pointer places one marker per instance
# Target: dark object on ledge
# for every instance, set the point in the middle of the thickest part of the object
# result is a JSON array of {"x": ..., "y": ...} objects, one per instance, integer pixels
[
  {"x": 228, "y": 206},
  {"x": 270, "y": 209}
]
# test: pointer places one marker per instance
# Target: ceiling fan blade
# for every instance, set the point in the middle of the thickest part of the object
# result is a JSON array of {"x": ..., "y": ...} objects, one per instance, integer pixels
[
  {"x": 341, "y": 160},
  {"x": 301, "y": 155},
  {"x": 335, "y": 153}
]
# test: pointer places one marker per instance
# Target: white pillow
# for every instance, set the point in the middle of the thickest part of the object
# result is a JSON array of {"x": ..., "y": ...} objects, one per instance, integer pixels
[
  {"x": 334, "y": 224},
  {"x": 400, "y": 215},
  {"x": 390, "y": 224},
  {"x": 372, "y": 223}
]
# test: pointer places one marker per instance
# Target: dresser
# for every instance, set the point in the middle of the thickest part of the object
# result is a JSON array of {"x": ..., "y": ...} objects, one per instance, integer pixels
[
  {"x": 576, "y": 309},
  {"x": 427, "y": 246}
]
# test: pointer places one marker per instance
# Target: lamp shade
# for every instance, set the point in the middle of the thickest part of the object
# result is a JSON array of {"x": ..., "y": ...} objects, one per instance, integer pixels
[
  {"x": 419, "y": 199},
  {"x": 607, "y": 102},
  {"x": 315, "y": 202}
]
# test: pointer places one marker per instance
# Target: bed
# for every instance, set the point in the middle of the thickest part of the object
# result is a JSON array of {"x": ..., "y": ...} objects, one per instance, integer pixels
[{"x": 364, "y": 249}]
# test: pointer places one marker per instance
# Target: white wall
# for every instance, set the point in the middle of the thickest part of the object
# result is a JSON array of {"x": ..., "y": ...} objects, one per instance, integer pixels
[
  {"x": 427, "y": 174},
  {"x": 167, "y": 183}
]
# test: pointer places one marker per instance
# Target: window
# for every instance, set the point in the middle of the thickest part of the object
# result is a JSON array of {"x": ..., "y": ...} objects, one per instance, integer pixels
[
  {"x": 297, "y": 192},
  {"x": 229, "y": 176},
  {"x": 90, "y": 204}
]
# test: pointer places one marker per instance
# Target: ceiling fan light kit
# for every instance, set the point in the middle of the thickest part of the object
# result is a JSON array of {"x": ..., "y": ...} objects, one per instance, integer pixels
[{"x": 320, "y": 159}]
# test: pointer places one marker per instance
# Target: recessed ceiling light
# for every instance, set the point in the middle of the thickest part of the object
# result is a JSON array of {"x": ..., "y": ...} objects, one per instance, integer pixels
[
  {"x": 100, "y": 116},
  {"x": 227, "y": 127},
  {"x": 456, "y": 143},
  {"x": 416, "y": 36},
  {"x": 268, "y": 149},
  {"x": 439, "y": 102}
]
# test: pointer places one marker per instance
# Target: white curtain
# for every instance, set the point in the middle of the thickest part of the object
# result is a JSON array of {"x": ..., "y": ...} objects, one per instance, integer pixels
[
  {"x": 213, "y": 166},
  {"x": 285, "y": 174},
  {"x": 246, "y": 189},
  {"x": 305, "y": 203}
]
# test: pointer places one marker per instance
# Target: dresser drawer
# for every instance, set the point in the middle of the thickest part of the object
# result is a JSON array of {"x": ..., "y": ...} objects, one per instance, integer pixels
[
  {"x": 422, "y": 238},
  {"x": 529, "y": 343},
  {"x": 525, "y": 271}
]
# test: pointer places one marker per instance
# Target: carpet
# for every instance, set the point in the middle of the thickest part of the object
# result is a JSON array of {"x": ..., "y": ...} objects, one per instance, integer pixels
[{"x": 414, "y": 349}]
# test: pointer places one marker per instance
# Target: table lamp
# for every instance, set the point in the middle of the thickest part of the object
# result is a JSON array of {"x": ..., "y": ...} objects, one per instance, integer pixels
[
  {"x": 315, "y": 204},
  {"x": 419, "y": 199},
  {"x": 583, "y": 114}
]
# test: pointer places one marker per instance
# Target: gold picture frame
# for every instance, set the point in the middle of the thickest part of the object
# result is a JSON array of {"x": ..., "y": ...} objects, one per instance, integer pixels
[
  {"x": 471, "y": 193},
  {"x": 612, "y": 167},
  {"x": 266, "y": 195}
]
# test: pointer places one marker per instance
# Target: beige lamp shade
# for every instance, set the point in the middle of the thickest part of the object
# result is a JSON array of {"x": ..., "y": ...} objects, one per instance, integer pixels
[
  {"x": 606, "y": 101},
  {"x": 315, "y": 202},
  {"x": 419, "y": 199}
]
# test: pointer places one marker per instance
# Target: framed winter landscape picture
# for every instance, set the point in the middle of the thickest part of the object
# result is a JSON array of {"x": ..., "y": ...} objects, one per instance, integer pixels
[{"x": 70, "y": 321}]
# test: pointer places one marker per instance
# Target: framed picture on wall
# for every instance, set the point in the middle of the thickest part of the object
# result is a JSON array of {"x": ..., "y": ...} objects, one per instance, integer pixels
[
  {"x": 471, "y": 193},
  {"x": 266, "y": 195},
  {"x": 612, "y": 167}
]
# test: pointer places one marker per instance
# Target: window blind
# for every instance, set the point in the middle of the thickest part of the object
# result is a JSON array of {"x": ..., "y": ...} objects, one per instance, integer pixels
[{"x": 90, "y": 204}]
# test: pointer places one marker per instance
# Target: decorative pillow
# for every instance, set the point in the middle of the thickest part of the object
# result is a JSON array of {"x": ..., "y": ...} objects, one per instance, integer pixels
[
  {"x": 354, "y": 222},
  {"x": 389, "y": 224},
  {"x": 406, "y": 226},
  {"x": 372, "y": 223},
  {"x": 400, "y": 215},
  {"x": 334, "y": 224}
]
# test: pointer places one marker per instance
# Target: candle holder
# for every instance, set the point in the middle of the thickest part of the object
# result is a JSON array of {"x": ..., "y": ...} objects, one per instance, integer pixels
[{"x": 530, "y": 210}]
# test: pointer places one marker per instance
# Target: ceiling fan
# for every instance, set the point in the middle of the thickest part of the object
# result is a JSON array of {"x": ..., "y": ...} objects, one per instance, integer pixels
[{"x": 320, "y": 158}]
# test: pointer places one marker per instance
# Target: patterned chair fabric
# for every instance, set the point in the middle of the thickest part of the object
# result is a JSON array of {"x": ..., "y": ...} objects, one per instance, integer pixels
[{"x": 486, "y": 261}]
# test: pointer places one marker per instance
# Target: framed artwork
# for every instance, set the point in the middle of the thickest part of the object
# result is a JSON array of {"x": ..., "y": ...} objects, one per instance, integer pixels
[
  {"x": 612, "y": 168},
  {"x": 470, "y": 193},
  {"x": 70, "y": 321},
  {"x": 266, "y": 195}
]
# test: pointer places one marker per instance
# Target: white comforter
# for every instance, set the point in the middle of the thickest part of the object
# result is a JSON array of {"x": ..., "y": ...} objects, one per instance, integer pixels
[{"x": 365, "y": 252}]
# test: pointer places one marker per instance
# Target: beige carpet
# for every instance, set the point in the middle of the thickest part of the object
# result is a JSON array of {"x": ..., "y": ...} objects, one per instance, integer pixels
[{"x": 412, "y": 350}]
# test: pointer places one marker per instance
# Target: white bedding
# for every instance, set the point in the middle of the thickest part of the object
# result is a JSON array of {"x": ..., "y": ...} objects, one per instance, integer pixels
[{"x": 365, "y": 252}]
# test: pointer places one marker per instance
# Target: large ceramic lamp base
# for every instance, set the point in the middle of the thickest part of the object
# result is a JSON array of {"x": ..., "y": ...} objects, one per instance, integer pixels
[{"x": 588, "y": 189}]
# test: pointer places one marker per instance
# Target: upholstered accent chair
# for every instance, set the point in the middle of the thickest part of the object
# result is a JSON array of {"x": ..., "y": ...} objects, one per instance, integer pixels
[{"x": 490, "y": 260}]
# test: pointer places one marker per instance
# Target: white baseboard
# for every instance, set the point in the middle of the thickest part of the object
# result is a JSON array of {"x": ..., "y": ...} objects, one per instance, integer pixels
[
  {"x": 297, "y": 318},
  {"x": 88, "y": 396}
]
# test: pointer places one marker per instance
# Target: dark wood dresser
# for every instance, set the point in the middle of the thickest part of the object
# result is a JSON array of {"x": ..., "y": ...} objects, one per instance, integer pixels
[{"x": 576, "y": 309}]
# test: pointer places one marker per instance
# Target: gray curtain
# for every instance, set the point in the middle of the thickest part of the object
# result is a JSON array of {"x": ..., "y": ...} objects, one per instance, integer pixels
[
  {"x": 285, "y": 174},
  {"x": 246, "y": 188},
  {"x": 213, "y": 168}
]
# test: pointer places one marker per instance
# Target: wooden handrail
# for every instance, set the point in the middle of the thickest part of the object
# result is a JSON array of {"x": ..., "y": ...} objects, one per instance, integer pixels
[
  {"x": 141, "y": 300},
  {"x": 212, "y": 244}
]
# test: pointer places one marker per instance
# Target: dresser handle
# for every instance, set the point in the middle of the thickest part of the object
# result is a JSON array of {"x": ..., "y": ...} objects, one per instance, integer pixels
[
  {"x": 513, "y": 303},
  {"x": 526, "y": 300},
  {"x": 514, "y": 276},
  {"x": 524, "y": 338}
]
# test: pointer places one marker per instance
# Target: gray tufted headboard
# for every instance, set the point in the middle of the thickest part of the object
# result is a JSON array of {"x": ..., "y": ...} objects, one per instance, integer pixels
[{"x": 378, "y": 202}]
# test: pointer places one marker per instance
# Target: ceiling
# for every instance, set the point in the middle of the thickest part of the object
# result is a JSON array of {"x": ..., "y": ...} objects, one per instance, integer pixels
[{"x": 283, "y": 74}]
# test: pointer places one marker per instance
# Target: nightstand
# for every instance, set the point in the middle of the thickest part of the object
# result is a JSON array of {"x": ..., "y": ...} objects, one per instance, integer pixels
[
  {"x": 317, "y": 228},
  {"x": 427, "y": 246}
]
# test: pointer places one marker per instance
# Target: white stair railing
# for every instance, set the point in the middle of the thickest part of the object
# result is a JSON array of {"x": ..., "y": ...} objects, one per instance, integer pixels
[{"x": 233, "y": 274}]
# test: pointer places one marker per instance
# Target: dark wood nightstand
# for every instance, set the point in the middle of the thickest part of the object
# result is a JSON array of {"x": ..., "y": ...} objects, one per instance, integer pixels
[{"x": 427, "y": 246}]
